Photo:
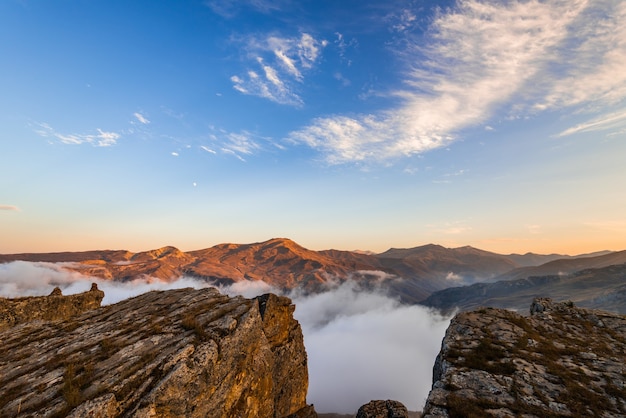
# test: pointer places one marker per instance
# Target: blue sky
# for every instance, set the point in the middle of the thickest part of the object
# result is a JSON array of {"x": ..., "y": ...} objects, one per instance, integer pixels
[{"x": 339, "y": 124}]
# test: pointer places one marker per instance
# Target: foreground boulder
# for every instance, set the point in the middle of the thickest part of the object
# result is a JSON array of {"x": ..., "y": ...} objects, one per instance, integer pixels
[
  {"x": 52, "y": 307},
  {"x": 177, "y": 353},
  {"x": 562, "y": 361},
  {"x": 383, "y": 409}
]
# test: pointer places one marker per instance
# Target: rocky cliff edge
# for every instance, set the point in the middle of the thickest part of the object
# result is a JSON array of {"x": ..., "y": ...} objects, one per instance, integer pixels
[
  {"x": 48, "y": 308},
  {"x": 561, "y": 361},
  {"x": 192, "y": 353}
]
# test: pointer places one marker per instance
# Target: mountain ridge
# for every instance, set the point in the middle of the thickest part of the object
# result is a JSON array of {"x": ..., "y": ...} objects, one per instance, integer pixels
[
  {"x": 599, "y": 288},
  {"x": 411, "y": 274}
]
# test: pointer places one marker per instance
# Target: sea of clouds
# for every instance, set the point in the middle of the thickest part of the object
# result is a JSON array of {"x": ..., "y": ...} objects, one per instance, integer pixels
[{"x": 361, "y": 344}]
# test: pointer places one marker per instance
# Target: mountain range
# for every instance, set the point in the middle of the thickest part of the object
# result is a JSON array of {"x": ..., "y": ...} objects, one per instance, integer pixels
[{"x": 427, "y": 273}]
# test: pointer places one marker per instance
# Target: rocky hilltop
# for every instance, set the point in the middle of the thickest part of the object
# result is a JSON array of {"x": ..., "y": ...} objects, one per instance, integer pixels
[
  {"x": 561, "y": 361},
  {"x": 192, "y": 353},
  {"x": 53, "y": 307}
]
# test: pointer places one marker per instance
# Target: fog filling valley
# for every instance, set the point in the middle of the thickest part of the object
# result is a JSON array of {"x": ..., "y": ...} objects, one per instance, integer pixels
[{"x": 361, "y": 345}]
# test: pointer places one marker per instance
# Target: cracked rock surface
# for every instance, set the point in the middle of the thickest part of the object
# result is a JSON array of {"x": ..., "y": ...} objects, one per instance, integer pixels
[
  {"x": 186, "y": 352},
  {"x": 561, "y": 361}
]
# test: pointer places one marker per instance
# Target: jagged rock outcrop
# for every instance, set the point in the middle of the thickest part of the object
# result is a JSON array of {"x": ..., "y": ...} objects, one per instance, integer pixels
[
  {"x": 562, "y": 361},
  {"x": 52, "y": 307},
  {"x": 383, "y": 409},
  {"x": 186, "y": 352}
]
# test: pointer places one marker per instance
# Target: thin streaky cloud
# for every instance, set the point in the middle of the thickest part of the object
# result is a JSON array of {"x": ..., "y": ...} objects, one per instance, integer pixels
[
  {"x": 207, "y": 149},
  {"x": 479, "y": 59},
  {"x": 238, "y": 144},
  {"x": 10, "y": 208},
  {"x": 100, "y": 139},
  {"x": 141, "y": 118},
  {"x": 605, "y": 122}
]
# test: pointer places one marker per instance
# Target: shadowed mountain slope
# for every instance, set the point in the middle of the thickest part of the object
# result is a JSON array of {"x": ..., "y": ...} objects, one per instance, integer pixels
[
  {"x": 602, "y": 288},
  {"x": 566, "y": 266}
]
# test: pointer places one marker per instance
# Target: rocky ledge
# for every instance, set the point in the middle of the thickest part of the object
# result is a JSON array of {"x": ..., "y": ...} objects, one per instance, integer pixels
[
  {"x": 52, "y": 307},
  {"x": 561, "y": 361},
  {"x": 192, "y": 353}
]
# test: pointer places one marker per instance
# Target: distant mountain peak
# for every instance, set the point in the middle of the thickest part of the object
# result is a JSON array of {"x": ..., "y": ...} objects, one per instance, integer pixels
[{"x": 163, "y": 252}]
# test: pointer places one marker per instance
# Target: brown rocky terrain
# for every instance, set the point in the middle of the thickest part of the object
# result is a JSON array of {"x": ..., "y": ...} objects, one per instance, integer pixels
[
  {"x": 562, "y": 361},
  {"x": 192, "y": 353},
  {"x": 53, "y": 307}
]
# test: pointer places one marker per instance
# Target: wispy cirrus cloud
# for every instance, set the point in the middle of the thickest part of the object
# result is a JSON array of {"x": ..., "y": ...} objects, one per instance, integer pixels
[
  {"x": 280, "y": 64},
  {"x": 141, "y": 118},
  {"x": 237, "y": 144},
  {"x": 99, "y": 139},
  {"x": 9, "y": 207},
  {"x": 616, "y": 120},
  {"x": 480, "y": 58}
]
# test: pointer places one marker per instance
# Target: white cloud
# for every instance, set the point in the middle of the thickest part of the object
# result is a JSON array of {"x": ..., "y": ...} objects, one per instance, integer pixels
[
  {"x": 9, "y": 207},
  {"x": 100, "y": 139},
  {"x": 288, "y": 64},
  {"x": 479, "y": 58},
  {"x": 105, "y": 139},
  {"x": 283, "y": 62},
  {"x": 207, "y": 149},
  {"x": 308, "y": 49},
  {"x": 141, "y": 118}
]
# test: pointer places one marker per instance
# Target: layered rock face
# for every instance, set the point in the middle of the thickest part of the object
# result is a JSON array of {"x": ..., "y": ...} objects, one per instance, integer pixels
[
  {"x": 191, "y": 353},
  {"x": 53, "y": 307},
  {"x": 561, "y": 361}
]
